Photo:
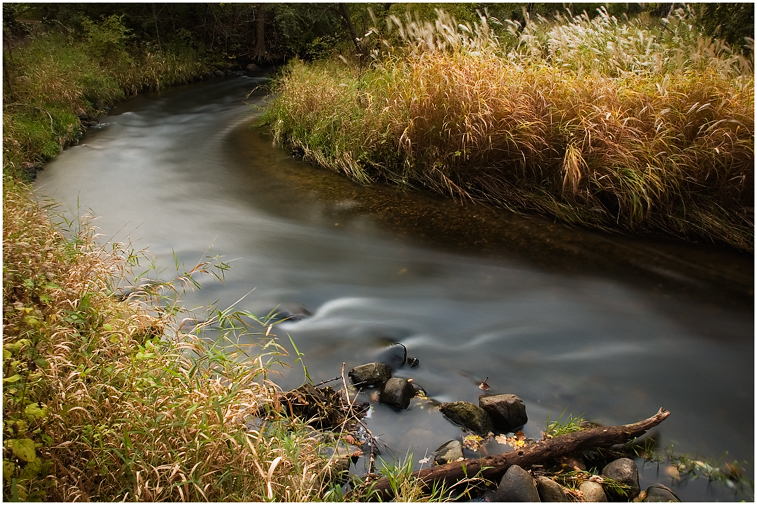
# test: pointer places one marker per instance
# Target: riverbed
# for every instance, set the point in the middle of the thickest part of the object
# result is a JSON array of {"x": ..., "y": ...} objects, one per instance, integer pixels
[{"x": 603, "y": 326}]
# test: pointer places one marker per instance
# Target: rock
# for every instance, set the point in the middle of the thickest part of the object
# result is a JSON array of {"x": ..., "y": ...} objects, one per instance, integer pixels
[
  {"x": 508, "y": 412},
  {"x": 252, "y": 67},
  {"x": 469, "y": 416},
  {"x": 660, "y": 493},
  {"x": 419, "y": 391},
  {"x": 623, "y": 471},
  {"x": 279, "y": 314},
  {"x": 219, "y": 73},
  {"x": 516, "y": 485},
  {"x": 23, "y": 79},
  {"x": 413, "y": 362},
  {"x": 549, "y": 490},
  {"x": 397, "y": 393},
  {"x": 592, "y": 491},
  {"x": 370, "y": 374},
  {"x": 448, "y": 452},
  {"x": 394, "y": 356}
]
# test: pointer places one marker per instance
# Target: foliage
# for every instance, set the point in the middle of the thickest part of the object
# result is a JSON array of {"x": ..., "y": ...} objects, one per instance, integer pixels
[
  {"x": 598, "y": 122},
  {"x": 102, "y": 401},
  {"x": 563, "y": 427},
  {"x": 54, "y": 79},
  {"x": 734, "y": 22}
]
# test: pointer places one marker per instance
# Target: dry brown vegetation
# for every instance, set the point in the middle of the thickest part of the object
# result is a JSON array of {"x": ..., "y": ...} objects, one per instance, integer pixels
[
  {"x": 102, "y": 402},
  {"x": 600, "y": 123}
]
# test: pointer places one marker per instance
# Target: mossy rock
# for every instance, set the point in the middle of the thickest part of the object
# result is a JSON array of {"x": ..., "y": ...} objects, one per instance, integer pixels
[{"x": 469, "y": 416}]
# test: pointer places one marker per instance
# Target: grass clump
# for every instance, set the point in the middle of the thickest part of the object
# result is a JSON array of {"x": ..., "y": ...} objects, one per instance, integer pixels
[
  {"x": 602, "y": 123},
  {"x": 53, "y": 79},
  {"x": 101, "y": 401}
]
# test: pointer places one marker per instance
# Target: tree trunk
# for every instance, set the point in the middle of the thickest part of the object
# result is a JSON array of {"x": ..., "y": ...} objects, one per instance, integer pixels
[
  {"x": 260, "y": 50},
  {"x": 344, "y": 10},
  {"x": 545, "y": 450}
]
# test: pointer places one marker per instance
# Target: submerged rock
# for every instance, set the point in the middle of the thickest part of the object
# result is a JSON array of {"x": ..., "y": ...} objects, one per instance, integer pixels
[
  {"x": 397, "y": 393},
  {"x": 370, "y": 374},
  {"x": 469, "y": 416},
  {"x": 448, "y": 452},
  {"x": 550, "y": 491},
  {"x": 623, "y": 471},
  {"x": 660, "y": 493},
  {"x": 394, "y": 356},
  {"x": 507, "y": 411},
  {"x": 517, "y": 485}
]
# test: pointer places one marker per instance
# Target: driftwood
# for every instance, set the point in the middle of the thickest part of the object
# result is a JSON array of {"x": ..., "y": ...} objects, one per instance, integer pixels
[{"x": 493, "y": 467}]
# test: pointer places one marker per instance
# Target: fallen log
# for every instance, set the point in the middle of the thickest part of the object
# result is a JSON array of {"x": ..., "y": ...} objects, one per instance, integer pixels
[{"x": 493, "y": 467}]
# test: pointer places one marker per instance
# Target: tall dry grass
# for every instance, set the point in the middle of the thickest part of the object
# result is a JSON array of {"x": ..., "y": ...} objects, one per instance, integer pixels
[
  {"x": 53, "y": 79},
  {"x": 101, "y": 401},
  {"x": 597, "y": 122}
]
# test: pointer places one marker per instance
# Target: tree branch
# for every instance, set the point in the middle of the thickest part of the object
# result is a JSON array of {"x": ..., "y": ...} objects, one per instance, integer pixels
[{"x": 493, "y": 467}]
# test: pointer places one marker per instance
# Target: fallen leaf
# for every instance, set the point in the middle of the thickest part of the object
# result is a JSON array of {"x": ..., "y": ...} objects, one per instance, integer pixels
[{"x": 484, "y": 386}]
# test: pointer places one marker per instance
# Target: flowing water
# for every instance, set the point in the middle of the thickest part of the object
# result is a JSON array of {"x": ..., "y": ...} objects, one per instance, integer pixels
[{"x": 603, "y": 326}]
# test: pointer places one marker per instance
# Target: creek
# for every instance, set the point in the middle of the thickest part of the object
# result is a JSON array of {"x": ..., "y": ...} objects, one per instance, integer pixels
[{"x": 604, "y": 326}]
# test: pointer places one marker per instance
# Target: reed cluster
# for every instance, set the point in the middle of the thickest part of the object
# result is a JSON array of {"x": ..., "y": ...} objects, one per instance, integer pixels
[{"x": 597, "y": 122}]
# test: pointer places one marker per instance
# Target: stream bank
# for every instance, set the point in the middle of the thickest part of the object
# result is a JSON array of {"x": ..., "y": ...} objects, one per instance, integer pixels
[{"x": 533, "y": 317}]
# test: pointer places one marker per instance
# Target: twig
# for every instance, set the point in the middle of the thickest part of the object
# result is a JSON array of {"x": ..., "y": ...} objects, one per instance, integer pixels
[{"x": 327, "y": 381}]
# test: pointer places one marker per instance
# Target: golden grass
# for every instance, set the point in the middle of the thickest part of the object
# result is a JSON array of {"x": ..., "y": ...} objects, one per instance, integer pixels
[
  {"x": 661, "y": 145},
  {"x": 113, "y": 408}
]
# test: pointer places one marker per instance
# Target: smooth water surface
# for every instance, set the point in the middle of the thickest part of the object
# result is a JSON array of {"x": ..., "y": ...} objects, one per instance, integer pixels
[{"x": 603, "y": 326}]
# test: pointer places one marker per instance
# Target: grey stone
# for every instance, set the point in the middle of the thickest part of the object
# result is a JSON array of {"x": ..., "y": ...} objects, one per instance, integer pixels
[
  {"x": 394, "y": 356},
  {"x": 448, "y": 452},
  {"x": 623, "y": 471},
  {"x": 549, "y": 490},
  {"x": 592, "y": 491},
  {"x": 252, "y": 67},
  {"x": 469, "y": 416},
  {"x": 516, "y": 485},
  {"x": 660, "y": 493},
  {"x": 219, "y": 73},
  {"x": 508, "y": 412},
  {"x": 370, "y": 374},
  {"x": 397, "y": 393}
]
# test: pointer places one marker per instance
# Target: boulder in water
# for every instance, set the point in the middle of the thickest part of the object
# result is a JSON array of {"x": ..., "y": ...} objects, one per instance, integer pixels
[
  {"x": 660, "y": 493},
  {"x": 448, "y": 452},
  {"x": 507, "y": 411},
  {"x": 394, "y": 356},
  {"x": 469, "y": 416},
  {"x": 370, "y": 374},
  {"x": 397, "y": 393}
]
